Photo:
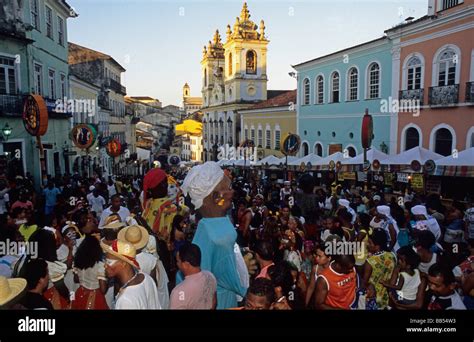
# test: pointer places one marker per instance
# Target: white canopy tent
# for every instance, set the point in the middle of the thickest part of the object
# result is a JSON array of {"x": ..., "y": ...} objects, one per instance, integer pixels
[
  {"x": 463, "y": 158},
  {"x": 270, "y": 160},
  {"x": 291, "y": 159},
  {"x": 416, "y": 153},
  {"x": 310, "y": 158},
  {"x": 338, "y": 156},
  {"x": 372, "y": 154}
]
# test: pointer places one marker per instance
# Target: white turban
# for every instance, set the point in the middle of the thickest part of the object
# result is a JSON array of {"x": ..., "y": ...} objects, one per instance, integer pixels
[
  {"x": 384, "y": 210},
  {"x": 419, "y": 210},
  {"x": 344, "y": 203},
  {"x": 201, "y": 181}
]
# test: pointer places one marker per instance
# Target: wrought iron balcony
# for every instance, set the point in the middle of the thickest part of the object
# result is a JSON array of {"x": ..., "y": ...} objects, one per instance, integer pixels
[
  {"x": 444, "y": 96},
  {"x": 470, "y": 92},
  {"x": 11, "y": 105},
  {"x": 116, "y": 86},
  {"x": 412, "y": 95}
]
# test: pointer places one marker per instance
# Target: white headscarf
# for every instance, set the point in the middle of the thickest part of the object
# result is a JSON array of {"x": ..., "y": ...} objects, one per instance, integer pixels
[
  {"x": 384, "y": 210},
  {"x": 201, "y": 181},
  {"x": 419, "y": 210}
]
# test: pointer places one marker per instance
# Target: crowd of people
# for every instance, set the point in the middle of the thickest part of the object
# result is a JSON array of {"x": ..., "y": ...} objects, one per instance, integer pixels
[{"x": 209, "y": 239}]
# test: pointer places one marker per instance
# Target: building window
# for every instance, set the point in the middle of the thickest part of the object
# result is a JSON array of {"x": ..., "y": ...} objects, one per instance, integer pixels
[
  {"x": 268, "y": 138},
  {"x": 318, "y": 149},
  {"x": 229, "y": 66},
  {"x": 252, "y": 135},
  {"x": 306, "y": 90},
  {"x": 353, "y": 83},
  {"x": 8, "y": 82},
  {"x": 335, "y": 87},
  {"x": 414, "y": 73},
  {"x": 63, "y": 85},
  {"x": 205, "y": 77},
  {"x": 38, "y": 79},
  {"x": 260, "y": 137},
  {"x": 319, "y": 89},
  {"x": 246, "y": 134},
  {"x": 351, "y": 151},
  {"x": 34, "y": 8},
  {"x": 251, "y": 62},
  {"x": 443, "y": 141},
  {"x": 277, "y": 139},
  {"x": 49, "y": 22},
  {"x": 374, "y": 81},
  {"x": 449, "y": 3},
  {"x": 412, "y": 138},
  {"x": 447, "y": 68},
  {"x": 52, "y": 83},
  {"x": 305, "y": 149},
  {"x": 61, "y": 31}
]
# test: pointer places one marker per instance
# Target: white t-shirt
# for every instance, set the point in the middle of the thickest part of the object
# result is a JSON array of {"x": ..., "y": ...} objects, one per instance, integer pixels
[
  {"x": 96, "y": 203},
  {"x": 142, "y": 296},
  {"x": 123, "y": 213},
  {"x": 111, "y": 189},
  {"x": 425, "y": 266},
  {"x": 410, "y": 285}
]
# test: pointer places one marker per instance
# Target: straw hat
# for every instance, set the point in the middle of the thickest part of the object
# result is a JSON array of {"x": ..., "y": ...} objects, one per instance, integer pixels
[
  {"x": 122, "y": 250},
  {"x": 135, "y": 234},
  {"x": 114, "y": 225},
  {"x": 10, "y": 288}
]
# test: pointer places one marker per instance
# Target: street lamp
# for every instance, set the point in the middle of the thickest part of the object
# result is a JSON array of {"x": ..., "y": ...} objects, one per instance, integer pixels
[{"x": 6, "y": 131}]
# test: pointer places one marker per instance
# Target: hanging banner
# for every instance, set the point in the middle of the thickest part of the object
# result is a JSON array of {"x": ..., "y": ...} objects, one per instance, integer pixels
[
  {"x": 417, "y": 181},
  {"x": 35, "y": 115},
  {"x": 402, "y": 177},
  {"x": 361, "y": 176},
  {"x": 378, "y": 177},
  {"x": 388, "y": 179},
  {"x": 367, "y": 131},
  {"x": 349, "y": 175}
]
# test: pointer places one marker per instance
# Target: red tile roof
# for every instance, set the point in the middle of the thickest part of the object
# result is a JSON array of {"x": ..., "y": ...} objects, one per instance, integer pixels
[{"x": 281, "y": 100}]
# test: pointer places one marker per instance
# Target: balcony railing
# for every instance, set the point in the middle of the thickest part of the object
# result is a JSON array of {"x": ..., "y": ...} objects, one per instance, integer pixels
[
  {"x": 444, "y": 95},
  {"x": 470, "y": 92},
  {"x": 11, "y": 104},
  {"x": 412, "y": 95},
  {"x": 116, "y": 86}
]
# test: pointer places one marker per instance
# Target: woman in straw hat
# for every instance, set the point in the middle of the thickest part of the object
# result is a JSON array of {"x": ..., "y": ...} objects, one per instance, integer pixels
[
  {"x": 138, "y": 236},
  {"x": 211, "y": 192},
  {"x": 10, "y": 291},
  {"x": 137, "y": 289},
  {"x": 89, "y": 272}
]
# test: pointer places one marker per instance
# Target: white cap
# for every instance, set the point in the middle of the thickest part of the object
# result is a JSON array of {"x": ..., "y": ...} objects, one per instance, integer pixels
[
  {"x": 384, "y": 210},
  {"x": 419, "y": 210},
  {"x": 377, "y": 198},
  {"x": 91, "y": 188}
]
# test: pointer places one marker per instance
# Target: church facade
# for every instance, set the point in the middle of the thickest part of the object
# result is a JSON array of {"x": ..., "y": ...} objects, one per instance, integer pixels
[{"x": 234, "y": 77}]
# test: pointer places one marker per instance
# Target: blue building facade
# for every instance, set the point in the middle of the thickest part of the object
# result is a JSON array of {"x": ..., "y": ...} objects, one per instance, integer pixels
[{"x": 333, "y": 93}]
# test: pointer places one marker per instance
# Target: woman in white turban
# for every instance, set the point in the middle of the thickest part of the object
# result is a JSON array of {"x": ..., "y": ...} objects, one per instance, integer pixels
[{"x": 211, "y": 193}]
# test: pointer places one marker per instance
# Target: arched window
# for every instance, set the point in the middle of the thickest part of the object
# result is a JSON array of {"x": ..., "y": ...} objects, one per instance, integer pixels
[
  {"x": 205, "y": 77},
  {"x": 229, "y": 66},
  {"x": 306, "y": 90},
  {"x": 305, "y": 149},
  {"x": 352, "y": 152},
  {"x": 443, "y": 141},
  {"x": 251, "y": 62},
  {"x": 447, "y": 68},
  {"x": 412, "y": 138},
  {"x": 414, "y": 73},
  {"x": 335, "y": 87},
  {"x": 353, "y": 80},
  {"x": 374, "y": 81},
  {"x": 319, "y": 89},
  {"x": 318, "y": 149}
]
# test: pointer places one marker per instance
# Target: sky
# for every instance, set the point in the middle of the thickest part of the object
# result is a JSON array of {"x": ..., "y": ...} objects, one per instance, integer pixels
[{"x": 160, "y": 42}]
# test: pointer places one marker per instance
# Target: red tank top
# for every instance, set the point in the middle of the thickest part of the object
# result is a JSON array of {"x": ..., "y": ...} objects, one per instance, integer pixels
[{"x": 341, "y": 288}]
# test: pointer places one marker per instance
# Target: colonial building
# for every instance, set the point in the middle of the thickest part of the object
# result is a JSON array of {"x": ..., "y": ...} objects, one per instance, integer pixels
[
  {"x": 234, "y": 77},
  {"x": 436, "y": 68},
  {"x": 105, "y": 72},
  {"x": 190, "y": 104},
  {"x": 33, "y": 60},
  {"x": 268, "y": 123},
  {"x": 333, "y": 92}
]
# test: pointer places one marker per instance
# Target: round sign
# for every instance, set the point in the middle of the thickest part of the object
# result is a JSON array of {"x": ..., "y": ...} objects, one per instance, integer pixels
[
  {"x": 430, "y": 166},
  {"x": 367, "y": 132},
  {"x": 291, "y": 145},
  {"x": 338, "y": 165},
  {"x": 332, "y": 165},
  {"x": 174, "y": 159},
  {"x": 35, "y": 115},
  {"x": 114, "y": 148},
  {"x": 376, "y": 164},
  {"x": 366, "y": 166},
  {"x": 83, "y": 136},
  {"x": 415, "y": 165}
]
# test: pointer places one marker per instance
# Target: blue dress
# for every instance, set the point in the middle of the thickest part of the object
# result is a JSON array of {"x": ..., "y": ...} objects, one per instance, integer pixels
[{"x": 216, "y": 238}]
